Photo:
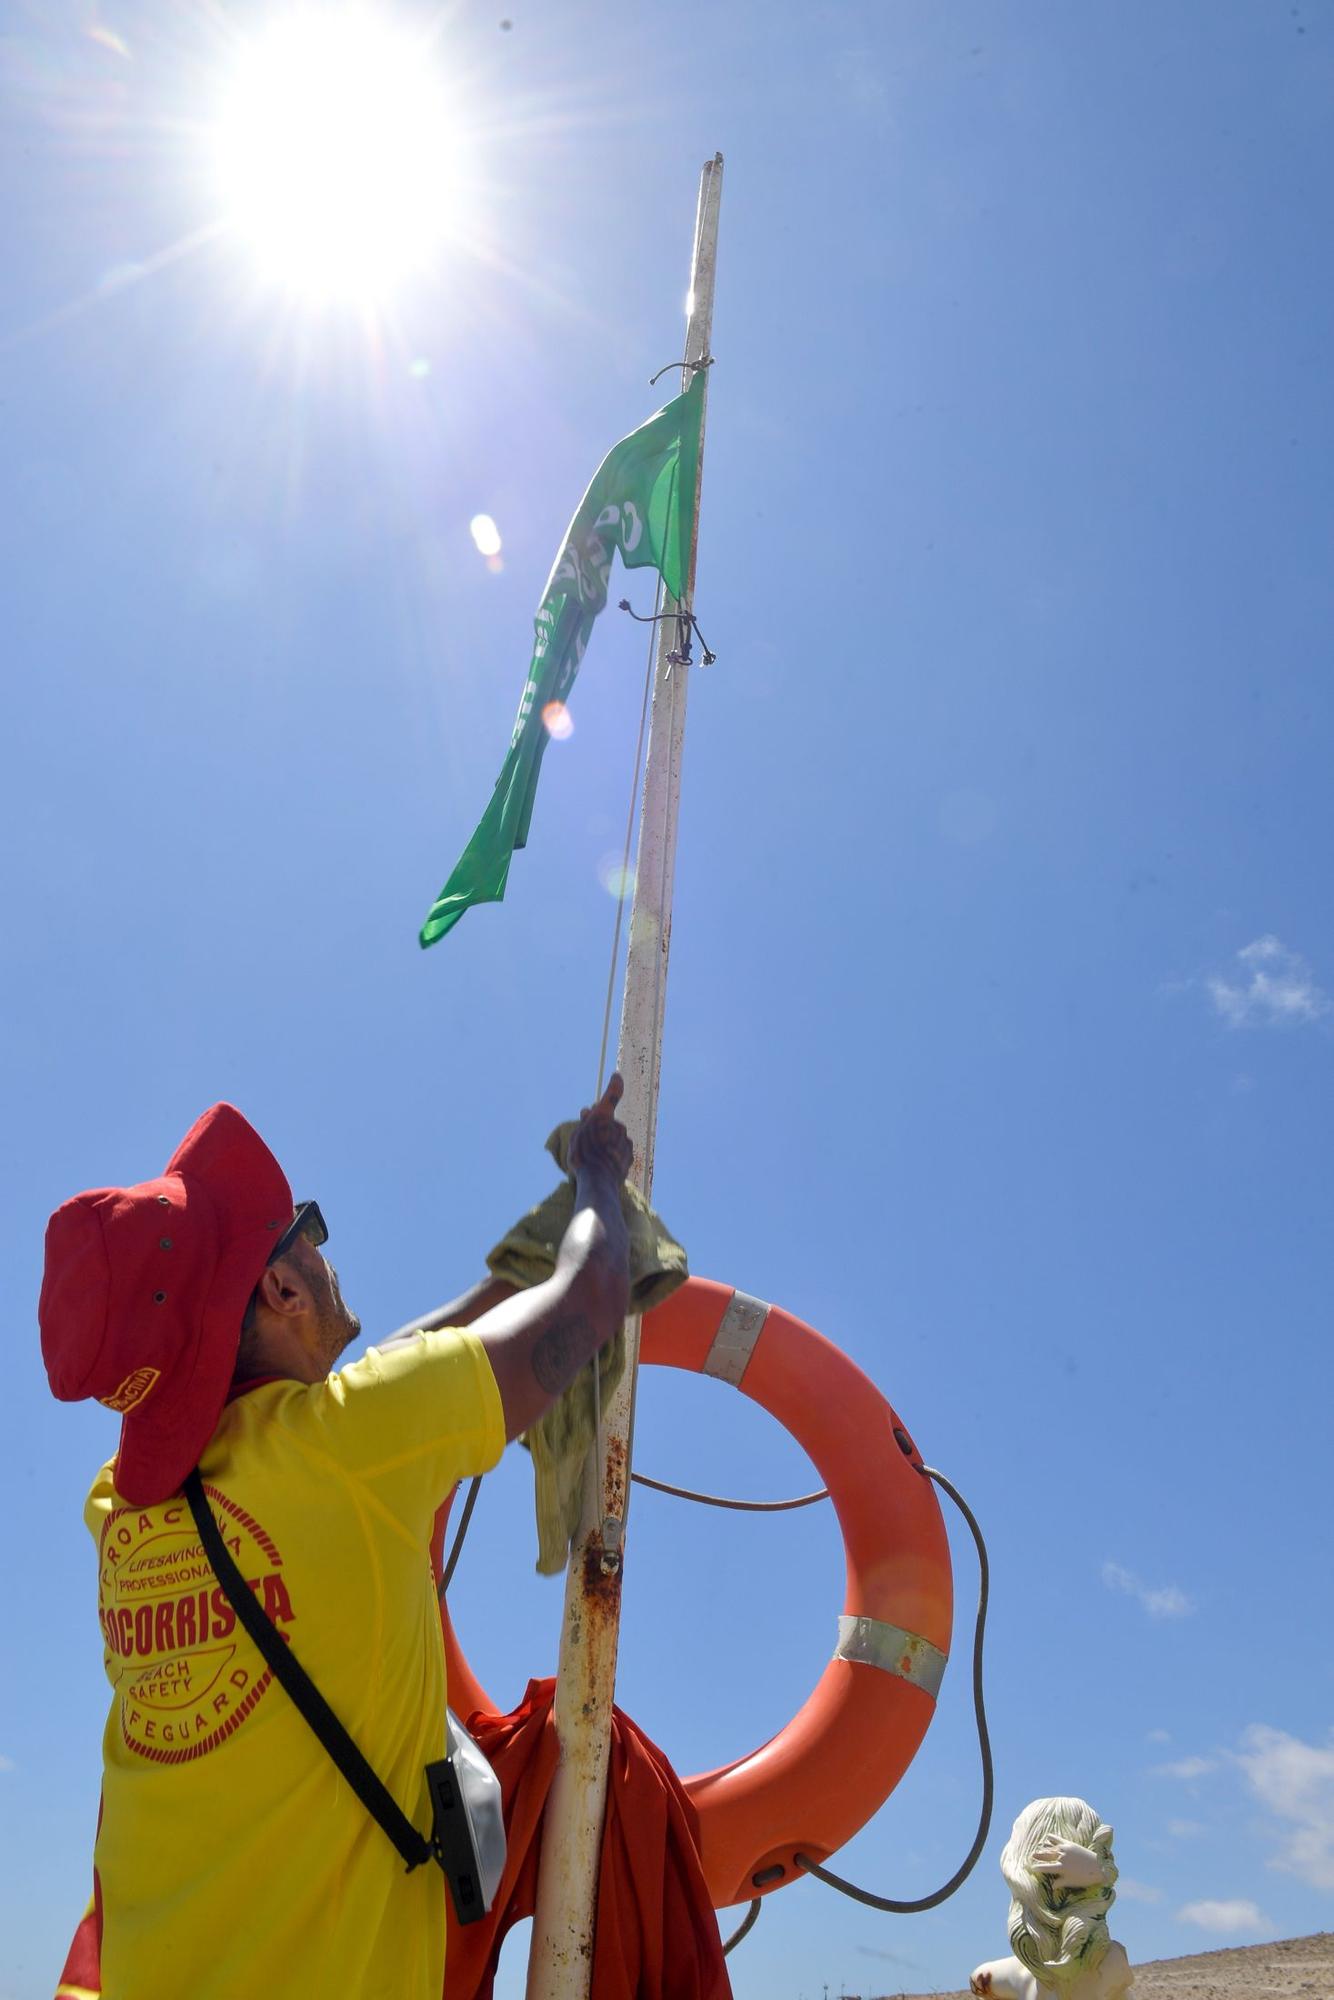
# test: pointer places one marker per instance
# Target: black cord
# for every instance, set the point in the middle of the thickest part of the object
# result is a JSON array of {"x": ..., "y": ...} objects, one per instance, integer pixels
[
  {"x": 746, "y": 1926},
  {"x": 804, "y": 1861},
  {"x": 984, "y": 1744},
  {"x": 457, "y": 1549},
  {"x": 638, "y": 1479},
  {"x": 716, "y": 1500}
]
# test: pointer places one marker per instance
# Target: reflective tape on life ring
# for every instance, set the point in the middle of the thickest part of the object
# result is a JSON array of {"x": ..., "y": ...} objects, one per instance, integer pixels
[{"x": 830, "y": 1769}]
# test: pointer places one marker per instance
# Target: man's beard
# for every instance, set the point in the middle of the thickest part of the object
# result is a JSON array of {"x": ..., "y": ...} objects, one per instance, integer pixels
[{"x": 339, "y": 1326}]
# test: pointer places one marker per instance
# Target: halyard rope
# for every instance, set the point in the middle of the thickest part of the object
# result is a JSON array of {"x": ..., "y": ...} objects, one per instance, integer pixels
[
  {"x": 623, "y": 882},
  {"x": 621, "y": 889}
]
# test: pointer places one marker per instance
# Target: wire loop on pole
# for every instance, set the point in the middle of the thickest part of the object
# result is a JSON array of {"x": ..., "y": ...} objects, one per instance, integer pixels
[
  {"x": 693, "y": 366},
  {"x": 686, "y": 623}
]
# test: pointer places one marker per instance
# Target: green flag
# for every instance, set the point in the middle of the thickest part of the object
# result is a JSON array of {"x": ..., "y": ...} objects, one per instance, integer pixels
[{"x": 640, "y": 501}]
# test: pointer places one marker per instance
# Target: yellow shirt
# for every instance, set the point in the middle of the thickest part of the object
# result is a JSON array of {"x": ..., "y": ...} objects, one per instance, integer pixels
[{"x": 235, "y": 1862}]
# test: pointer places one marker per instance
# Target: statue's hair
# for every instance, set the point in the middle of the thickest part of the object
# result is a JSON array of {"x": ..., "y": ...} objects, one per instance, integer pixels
[{"x": 1057, "y": 1933}]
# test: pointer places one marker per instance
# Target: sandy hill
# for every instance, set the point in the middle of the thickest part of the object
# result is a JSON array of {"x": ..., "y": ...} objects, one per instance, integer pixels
[{"x": 1292, "y": 1969}]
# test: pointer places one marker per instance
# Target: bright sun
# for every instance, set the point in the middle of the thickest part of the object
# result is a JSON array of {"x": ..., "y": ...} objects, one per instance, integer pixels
[{"x": 333, "y": 156}]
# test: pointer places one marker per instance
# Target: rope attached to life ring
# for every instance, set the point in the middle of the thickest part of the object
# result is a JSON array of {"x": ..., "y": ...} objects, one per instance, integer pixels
[
  {"x": 892, "y": 1905},
  {"x": 962, "y": 1873},
  {"x": 745, "y": 1927}
]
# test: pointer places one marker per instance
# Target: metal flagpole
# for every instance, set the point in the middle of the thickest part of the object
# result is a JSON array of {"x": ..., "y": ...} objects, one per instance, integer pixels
[{"x": 561, "y": 1957}]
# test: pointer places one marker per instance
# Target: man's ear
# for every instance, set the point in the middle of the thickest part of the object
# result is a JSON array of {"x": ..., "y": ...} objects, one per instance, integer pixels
[{"x": 283, "y": 1289}]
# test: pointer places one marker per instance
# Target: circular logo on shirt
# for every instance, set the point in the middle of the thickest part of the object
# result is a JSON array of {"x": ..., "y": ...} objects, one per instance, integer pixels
[{"x": 183, "y": 1681}]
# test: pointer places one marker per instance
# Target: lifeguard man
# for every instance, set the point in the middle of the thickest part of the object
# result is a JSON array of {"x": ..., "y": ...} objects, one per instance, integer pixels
[{"x": 232, "y": 1857}]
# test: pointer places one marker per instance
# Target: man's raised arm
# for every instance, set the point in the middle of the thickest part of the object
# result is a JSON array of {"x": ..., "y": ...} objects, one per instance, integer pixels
[{"x": 537, "y": 1340}]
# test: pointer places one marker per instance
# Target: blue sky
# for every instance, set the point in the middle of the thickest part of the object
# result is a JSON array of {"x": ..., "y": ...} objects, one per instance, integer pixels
[{"x": 1002, "y": 988}]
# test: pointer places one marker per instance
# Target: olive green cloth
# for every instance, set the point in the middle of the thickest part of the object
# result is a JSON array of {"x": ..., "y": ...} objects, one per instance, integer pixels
[{"x": 560, "y": 1440}]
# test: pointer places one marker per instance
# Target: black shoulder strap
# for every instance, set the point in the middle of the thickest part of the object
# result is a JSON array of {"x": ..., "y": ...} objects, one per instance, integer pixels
[{"x": 292, "y": 1675}]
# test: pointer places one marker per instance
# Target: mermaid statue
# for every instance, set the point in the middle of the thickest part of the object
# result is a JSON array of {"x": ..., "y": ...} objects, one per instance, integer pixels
[{"x": 1059, "y": 1869}]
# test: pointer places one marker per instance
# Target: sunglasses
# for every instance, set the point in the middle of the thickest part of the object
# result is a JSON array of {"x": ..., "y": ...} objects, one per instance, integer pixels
[{"x": 307, "y": 1222}]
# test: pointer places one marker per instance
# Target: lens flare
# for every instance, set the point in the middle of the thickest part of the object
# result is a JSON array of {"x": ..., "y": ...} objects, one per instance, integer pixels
[
  {"x": 557, "y": 721},
  {"x": 616, "y": 878},
  {"x": 121, "y": 275},
  {"x": 109, "y": 39}
]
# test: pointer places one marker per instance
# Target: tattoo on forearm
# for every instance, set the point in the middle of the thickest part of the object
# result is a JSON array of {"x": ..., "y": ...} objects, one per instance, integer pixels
[{"x": 558, "y": 1352}]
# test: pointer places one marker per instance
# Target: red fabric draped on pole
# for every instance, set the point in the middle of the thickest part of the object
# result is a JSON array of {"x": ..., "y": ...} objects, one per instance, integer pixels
[{"x": 657, "y": 1936}]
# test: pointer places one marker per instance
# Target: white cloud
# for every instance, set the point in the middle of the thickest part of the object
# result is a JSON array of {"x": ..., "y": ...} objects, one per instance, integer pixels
[
  {"x": 1269, "y": 987},
  {"x": 1188, "y": 1768},
  {"x": 6, "y": 1763},
  {"x": 1186, "y": 1829},
  {"x": 1165, "y": 1601},
  {"x": 1229, "y": 1916},
  {"x": 1295, "y": 1782},
  {"x": 1158, "y": 1736},
  {"x": 1138, "y": 1892}
]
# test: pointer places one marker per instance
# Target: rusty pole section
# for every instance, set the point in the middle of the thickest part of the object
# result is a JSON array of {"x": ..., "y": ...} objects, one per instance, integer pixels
[{"x": 561, "y": 1956}]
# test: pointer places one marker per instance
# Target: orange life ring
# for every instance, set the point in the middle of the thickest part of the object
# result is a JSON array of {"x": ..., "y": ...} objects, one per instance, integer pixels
[{"x": 813, "y": 1785}]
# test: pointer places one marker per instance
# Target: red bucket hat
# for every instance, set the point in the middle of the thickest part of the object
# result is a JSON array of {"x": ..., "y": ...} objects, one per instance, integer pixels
[{"x": 145, "y": 1289}]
